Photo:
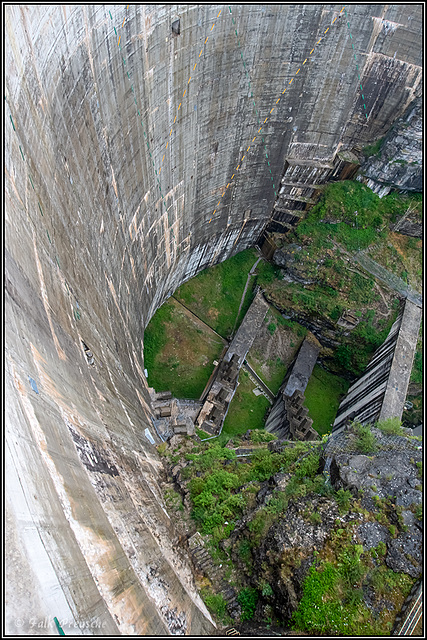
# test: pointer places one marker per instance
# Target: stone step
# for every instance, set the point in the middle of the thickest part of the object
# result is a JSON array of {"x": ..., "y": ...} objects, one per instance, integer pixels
[
  {"x": 198, "y": 550},
  {"x": 206, "y": 562},
  {"x": 229, "y": 599}
]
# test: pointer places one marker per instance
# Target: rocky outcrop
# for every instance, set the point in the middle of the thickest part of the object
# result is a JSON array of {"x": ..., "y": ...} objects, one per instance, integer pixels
[
  {"x": 399, "y": 163},
  {"x": 388, "y": 486}
]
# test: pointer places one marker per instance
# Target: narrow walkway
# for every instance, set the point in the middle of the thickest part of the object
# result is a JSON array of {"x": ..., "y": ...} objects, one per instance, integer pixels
[
  {"x": 250, "y": 274},
  {"x": 249, "y": 328},
  {"x": 215, "y": 407}
]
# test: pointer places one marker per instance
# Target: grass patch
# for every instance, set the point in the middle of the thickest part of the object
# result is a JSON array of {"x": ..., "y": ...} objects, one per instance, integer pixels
[
  {"x": 322, "y": 397},
  {"x": 332, "y": 602},
  {"x": 214, "y": 295},
  {"x": 179, "y": 351},
  {"x": 246, "y": 411},
  {"x": 350, "y": 212},
  {"x": 391, "y": 427},
  {"x": 216, "y": 604},
  {"x": 366, "y": 441}
]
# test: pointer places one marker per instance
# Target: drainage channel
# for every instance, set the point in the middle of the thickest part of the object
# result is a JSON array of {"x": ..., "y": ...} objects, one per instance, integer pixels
[{"x": 269, "y": 394}]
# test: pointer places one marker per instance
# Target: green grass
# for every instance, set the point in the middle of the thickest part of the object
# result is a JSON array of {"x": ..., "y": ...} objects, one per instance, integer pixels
[
  {"x": 215, "y": 294},
  {"x": 246, "y": 411},
  {"x": 339, "y": 203},
  {"x": 276, "y": 376},
  {"x": 216, "y": 604},
  {"x": 322, "y": 397},
  {"x": 332, "y": 602},
  {"x": 276, "y": 371},
  {"x": 179, "y": 352}
]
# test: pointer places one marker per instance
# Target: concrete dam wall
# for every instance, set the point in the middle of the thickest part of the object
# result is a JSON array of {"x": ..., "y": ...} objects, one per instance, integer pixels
[{"x": 142, "y": 144}]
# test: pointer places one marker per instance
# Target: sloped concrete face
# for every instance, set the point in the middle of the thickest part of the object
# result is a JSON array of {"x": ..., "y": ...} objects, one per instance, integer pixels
[{"x": 122, "y": 142}]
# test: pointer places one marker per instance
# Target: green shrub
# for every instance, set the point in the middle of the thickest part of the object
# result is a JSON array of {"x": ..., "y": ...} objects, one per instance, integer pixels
[
  {"x": 263, "y": 465},
  {"x": 245, "y": 550},
  {"x": 267, "y": 590},
  {"x": 161, "y": 448},
  {"x": 343, "y": 498},
  {"x": 350, "y": 565},
  {"x": 278, "y": 502},
  {"x": 271, "y": 327},
  {"x": 315, "y": 518},
  {"x": 259, "y": 436},
  {"x": 366, "y": 441},
  {"x": 308, "y": 466},
  {"x": 390, "y": 426},
  {"x": 215, "y": 603},
  {"x": 260, "y": 524},
  {"x": 248, "y": 598},
  {"x": 381, "y": 549}
]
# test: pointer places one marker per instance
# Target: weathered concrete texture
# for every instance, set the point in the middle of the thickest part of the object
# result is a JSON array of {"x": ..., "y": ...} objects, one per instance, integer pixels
[
  {"x": 225, "y": 379},
  {"x": 107, "y": 207},
  {"x": 401, "y": 366},
  {"x": 248, "y": 329},
  {"x": 381, "y": 392},
  {"x": 296, "y": 380}
]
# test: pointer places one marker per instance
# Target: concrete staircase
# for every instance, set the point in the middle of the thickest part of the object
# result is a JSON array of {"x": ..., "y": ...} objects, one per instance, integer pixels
[{"x": 203, "y": 562}]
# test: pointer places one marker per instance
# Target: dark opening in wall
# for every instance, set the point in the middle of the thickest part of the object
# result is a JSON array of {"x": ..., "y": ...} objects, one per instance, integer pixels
[
  {"x": 176, "y": 27},
  {"x": 88, "y": 353}
]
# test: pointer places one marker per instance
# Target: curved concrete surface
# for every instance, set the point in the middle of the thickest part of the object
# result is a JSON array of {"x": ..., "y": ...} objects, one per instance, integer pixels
[{"x": 125, "y": 176}]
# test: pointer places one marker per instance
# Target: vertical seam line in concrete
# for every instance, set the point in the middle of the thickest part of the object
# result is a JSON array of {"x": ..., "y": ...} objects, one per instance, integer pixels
[
  {"x": 357, "y": 67},
  {"x": 253, "y": 99},
  {"x": 138, "y": 111},
  {"x": 271, "y": 111},
  {"x": 186, "y": 88}
]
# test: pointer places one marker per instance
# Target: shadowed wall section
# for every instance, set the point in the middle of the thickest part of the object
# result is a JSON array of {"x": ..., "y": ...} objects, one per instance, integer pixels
[{"x": 134, "y": 159}]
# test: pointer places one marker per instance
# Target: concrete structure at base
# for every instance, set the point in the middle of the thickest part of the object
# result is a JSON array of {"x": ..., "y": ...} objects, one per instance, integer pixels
[
  {"x": 226, "y": 377},
  {"x": 133, "y": 161},
  {"x": 288, "y": 418},
  {"x": 381, "y": 392}
]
